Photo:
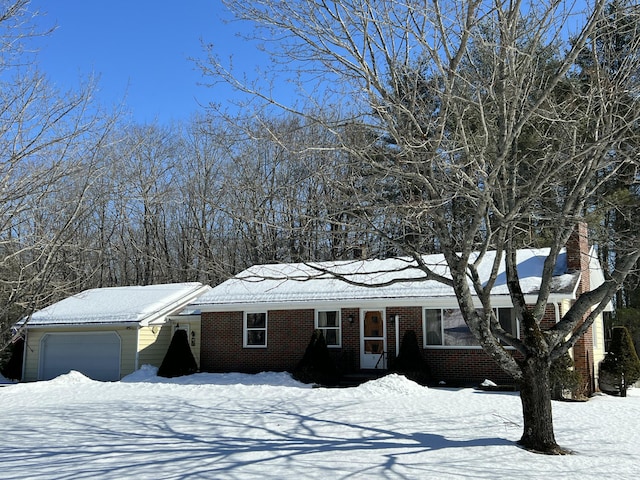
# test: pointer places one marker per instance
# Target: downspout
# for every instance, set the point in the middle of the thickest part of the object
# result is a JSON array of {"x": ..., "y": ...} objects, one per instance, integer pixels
[
  {"x": 556, "y": 308},
  {"x": 397, "y": 322},
  {"x": 24, "y": 354},
  {"x": 135, "y": 366}
]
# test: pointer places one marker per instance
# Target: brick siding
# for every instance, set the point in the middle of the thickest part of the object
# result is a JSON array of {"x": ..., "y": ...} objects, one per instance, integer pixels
[{"x": 288, "y": 334}]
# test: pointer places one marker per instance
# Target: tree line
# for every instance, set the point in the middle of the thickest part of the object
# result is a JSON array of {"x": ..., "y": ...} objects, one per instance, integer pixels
[
  {"x": 160, "y": 204},
  {"x": 90, "y": 200}
]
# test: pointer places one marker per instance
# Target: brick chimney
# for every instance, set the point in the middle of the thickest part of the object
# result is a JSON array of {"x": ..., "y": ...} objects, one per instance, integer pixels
[
  {"x": 578, "y": 251},
  {"x": 578, "y": 261}
]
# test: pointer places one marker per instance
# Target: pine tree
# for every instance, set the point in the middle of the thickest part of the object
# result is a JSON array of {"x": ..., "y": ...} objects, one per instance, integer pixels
[
  {"x": 621, "y": 366},
  {"x": 316, "y": 365},
  {"x": 179, "y": 359},
  {"x": 409, "y": 361}
]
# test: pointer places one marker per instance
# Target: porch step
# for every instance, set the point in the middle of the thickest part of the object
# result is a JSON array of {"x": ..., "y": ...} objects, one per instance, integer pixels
[{"x": 358, "y": 378}]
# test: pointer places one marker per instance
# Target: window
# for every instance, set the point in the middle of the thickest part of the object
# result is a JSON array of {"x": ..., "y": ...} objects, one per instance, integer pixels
[
  {"x": 255, "y": 329},
  {"x": 329, "y": 323},
  {"x": 433, "y": 320},
  {"x": 508, "y": 321},
  {"x": 455, "y": 332},
  {"x": 445, "y": 327}
]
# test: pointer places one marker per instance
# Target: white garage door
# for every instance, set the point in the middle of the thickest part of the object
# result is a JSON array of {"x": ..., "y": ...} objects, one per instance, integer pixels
[{"x": 96, "y": 355}]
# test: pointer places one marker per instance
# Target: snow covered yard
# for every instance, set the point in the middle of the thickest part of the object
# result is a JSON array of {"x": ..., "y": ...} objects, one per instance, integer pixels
[{"x": 233, "y": 426}]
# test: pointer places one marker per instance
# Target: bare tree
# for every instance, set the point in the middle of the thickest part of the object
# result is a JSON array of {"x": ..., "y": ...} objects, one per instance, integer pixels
[
  {"x": 207, "y": 250},
  {"x": 49, "y": 144},
  {"x": 476, "y": 131}
]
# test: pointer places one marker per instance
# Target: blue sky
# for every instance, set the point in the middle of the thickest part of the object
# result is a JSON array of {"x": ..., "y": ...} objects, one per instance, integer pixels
[{"x": 140, "y": 50}]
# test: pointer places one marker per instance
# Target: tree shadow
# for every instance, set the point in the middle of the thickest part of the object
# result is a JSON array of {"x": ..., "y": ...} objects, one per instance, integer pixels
[{"x": 161, "y": 442}]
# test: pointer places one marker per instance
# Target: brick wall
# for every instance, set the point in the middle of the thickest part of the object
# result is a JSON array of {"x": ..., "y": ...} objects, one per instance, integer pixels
[
  {"x": 347, "y": 358},
  {"x": 464, "y": 366},
  {"x": 549, "y": 318},
  {"x": 410, "y": 318},
  {"x": 451, "y": 365},
  {"x": 288, "y": 334}
]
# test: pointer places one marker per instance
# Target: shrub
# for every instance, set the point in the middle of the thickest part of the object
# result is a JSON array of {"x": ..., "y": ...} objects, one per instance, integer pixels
[
  {"x": 627, "y": 317},
  {"x": 409, "y": 361},
  {"x": 565, "y": 381},
  {"x": 179, "y": 359},
  {"x": 13, "y": 367},
  {"x": 621, "y": 366},
  {"x": 316, "y": 365}
]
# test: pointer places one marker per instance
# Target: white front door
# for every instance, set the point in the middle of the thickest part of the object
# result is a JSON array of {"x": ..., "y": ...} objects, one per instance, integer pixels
[{"x": 373, "y": 340}]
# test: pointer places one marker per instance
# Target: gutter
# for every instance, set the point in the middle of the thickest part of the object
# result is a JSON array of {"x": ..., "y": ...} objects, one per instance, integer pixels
[
  {"x": 24, "y": 354},
  {"x": 397, "y": 327},
  {"x": 498, "y": 301},
  {"x": 30, "y": 326},
  {"x": 181, "y": 303}
]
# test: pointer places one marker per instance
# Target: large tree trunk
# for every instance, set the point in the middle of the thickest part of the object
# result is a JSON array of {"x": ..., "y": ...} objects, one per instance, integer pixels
[{"x": 535, "y": 394}]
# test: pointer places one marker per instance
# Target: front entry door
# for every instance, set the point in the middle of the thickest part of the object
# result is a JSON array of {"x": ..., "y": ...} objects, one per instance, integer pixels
[{"x": 372, "y": 341}]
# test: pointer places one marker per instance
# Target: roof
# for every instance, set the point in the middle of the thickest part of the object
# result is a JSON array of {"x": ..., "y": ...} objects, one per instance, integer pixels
[
  {"x": 112, "y": 305},
  {"x": 292, "y": 284}
]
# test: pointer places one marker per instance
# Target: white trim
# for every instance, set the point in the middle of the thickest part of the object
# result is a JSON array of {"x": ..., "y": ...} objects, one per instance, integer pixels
[
  {"x": 245, "y": 329},
  {"x": 455, "y": 347},
  {"x": 58, "y": 326},
  {"x": 339, "y": 328},
  {"x": 498, "y": 301},
  {"x": 136, "y": 361},
  {"x": 576, "y": 287},
  {"x": 396, "y": 327},
  {"x": 160, "y": 317},
  {"x": 184, "y": 318},
  {"x": 383, "y": 312}
]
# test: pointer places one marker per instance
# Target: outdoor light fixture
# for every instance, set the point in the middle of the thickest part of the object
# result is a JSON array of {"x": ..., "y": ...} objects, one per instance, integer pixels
[
  {"x": 350, "y": 318},
  {"x": 193, "y": 338}
]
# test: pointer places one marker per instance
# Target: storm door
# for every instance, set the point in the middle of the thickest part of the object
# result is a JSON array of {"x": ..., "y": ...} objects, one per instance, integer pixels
[{"x": 373, "y": 341}]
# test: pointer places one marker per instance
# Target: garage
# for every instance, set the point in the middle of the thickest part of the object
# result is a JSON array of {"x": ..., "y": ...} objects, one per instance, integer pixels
[{"x": 95, "y": 355}]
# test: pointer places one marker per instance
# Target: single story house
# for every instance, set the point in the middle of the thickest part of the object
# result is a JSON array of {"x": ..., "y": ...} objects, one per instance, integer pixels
[
  {"x": 107, "y": 333},
  {"x": 263, "y": 318}
]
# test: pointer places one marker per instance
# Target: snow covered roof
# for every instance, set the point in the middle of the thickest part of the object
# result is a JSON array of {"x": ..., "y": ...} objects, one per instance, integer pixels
[
  {"x": 133, "y": 304},
  {"x": 295, "y": 283}
]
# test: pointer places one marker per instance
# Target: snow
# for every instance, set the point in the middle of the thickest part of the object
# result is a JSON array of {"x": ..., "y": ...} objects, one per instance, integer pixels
[
  {"x": 301, "y": 282},
  {"x": 117, "y": 304},
  {"x": 233, "y": 426},
  {"x": 488, "y": 383}
]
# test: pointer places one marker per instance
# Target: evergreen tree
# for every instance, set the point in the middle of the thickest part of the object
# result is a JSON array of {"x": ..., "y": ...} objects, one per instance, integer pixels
[
  {"x": 409, "y": 361},
  {"x": 621, "y": 366},
  {"x": 564, "y": 377},
  {"x": 13, "y": 367},
  {"x": 179, "y": 359},
  {"x": 316, "y": 365}
]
